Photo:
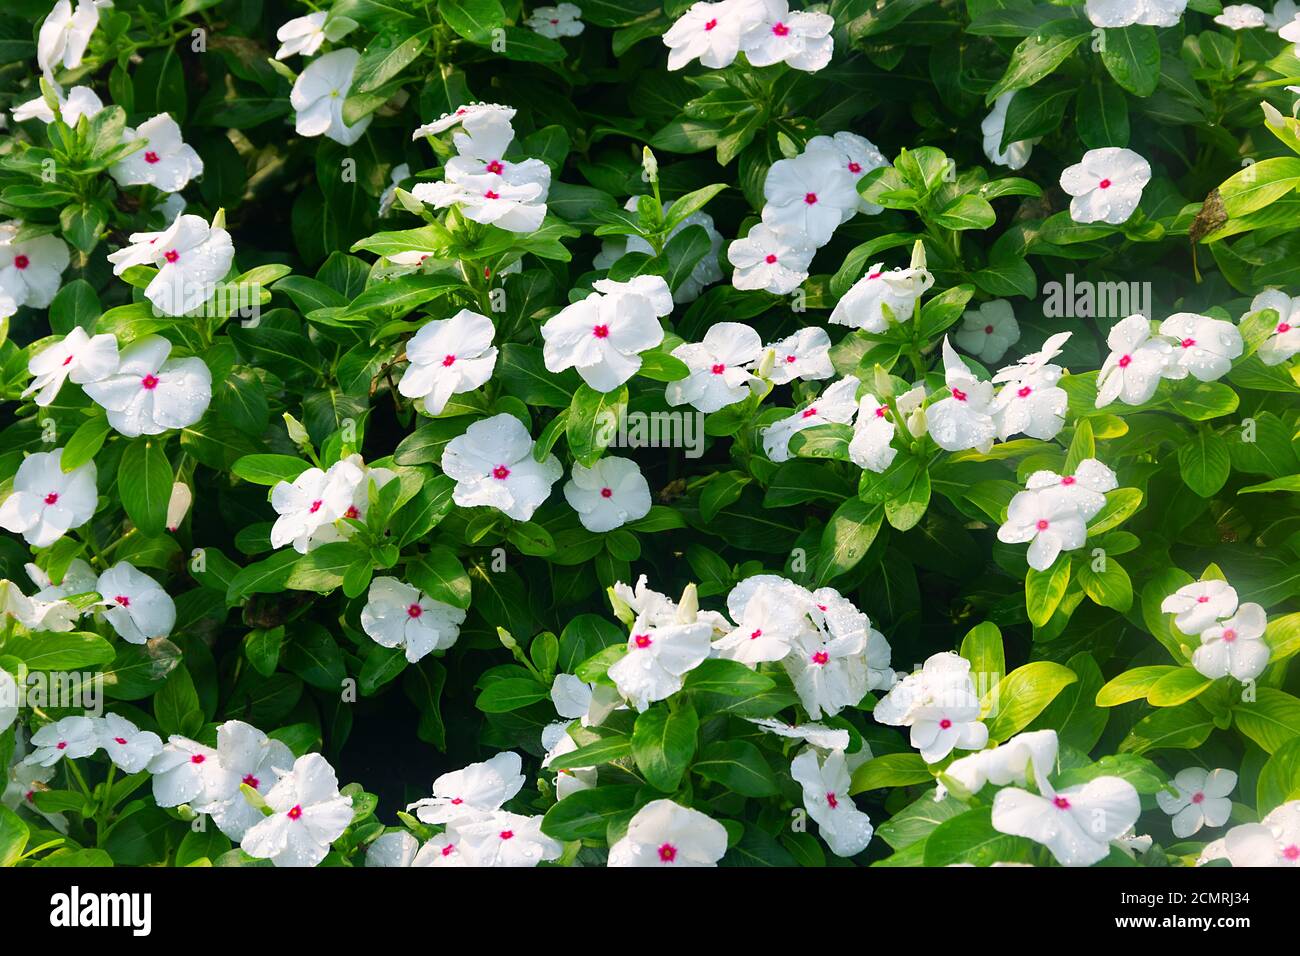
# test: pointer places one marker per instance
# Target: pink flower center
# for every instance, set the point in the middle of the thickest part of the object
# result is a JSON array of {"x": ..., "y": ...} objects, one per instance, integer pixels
[
  {"x": 832, "y": 801},
  {"x": 958, "y": 394},
  {"x": 62, "y": 745},
  {"x": 1292, "y": 852},
  {"x": 667, "y": 853},
  {"x": 555, "y": 23},
  {"x": 875, "y": 275},
  {"x": 296, "y": 812},
  {"x": 607, "y": 492},
  {"x": 718, "y": 369},
  {"x": 710, "y": 25},
  {"x": 456, "y": 801},
  {"x": 67, "y": 361},
  {"x": 821, "y": 657},
  {"x": 52, "y": 498},
  {"x": 448, "y": 361},
  {"x": 507, "y": 834},
  {"x": 1061, "y": 803},
  {"x": 770, "y": 259},
  {"x": 1104, "y": 184},
  {"x": 120, "y": 740},
  {"x": 945, "y": 724},
  {"x": 1283, "y": 327},
  {"x": 880, "y": 412},
  {"x": 251, "y": 780},
  {"x": 1204, "y": 598},
  {"x": 988, "y": 330},
  {"x": 642, "y": 641},
  {"x": 449, "y": 849},
  {"x": 500, "y": 472},
  {"x": 1124, "y": 361},
  {"x": 491, "y": 195},
  {"x": 1198, "y": 797},
  {"x": 810, "y": 198},
  {"x": 151, "y": 157},
  {"x": 31, "y": 796},
  {"x": 21, "y": 262},
  {"x": 789, "y": 359},
  {"x": 758, "y": 632},
  {"x": 1067, "y": 480},
  {"x": 1042, "y": 524},
  {"x": 1024, "y": 391},
  {"x": 601, "y": 331},
  {"x": 809, "y": 412},
  {"x": 414, "y": 610},
  {"x": 1187, "y": 343},
  {"x": 495, "y": 167},
  {"x": 315, "y": 507},
  {"x": 855, "y": 167},
  {"x": 150, "y": 382},
  {"x": 1229, "y": 635},
  {"x": 198, "y": 758},
  {"x": 780, "y": 30},
  {"x": 171, "y": 255},
  {"x": 123, "y": 600}
]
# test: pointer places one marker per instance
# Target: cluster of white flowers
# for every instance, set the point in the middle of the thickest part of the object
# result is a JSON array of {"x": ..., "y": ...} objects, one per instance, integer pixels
[
  {"x": 766, "y": 31},
  {"x": 1054, "y": 510},
  {"x": 1186, "y": 344},
  {"x": 1231, "y": 636},
  {"x": 136, "y": 606},
  {"x": 806, "y": 198},
  {"x": 315, "y": 508},
  {"x": 479, "y": 181}
]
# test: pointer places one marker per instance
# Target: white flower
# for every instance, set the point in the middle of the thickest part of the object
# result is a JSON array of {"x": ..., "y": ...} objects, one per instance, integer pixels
[
  {"x": 1085, "y": 490},
  {"x": 800, "y": 40},
  {"x": 939, "y": 704},
  {"x": 603, "y": 335},
  {"x": 80, "y": 101},
  {"x": 834, "y": 667},
  {"x": 1132, "y": 371},
  {"x": 395, "y": 848},
  {"x": 556, "y": 740},
  {"x": 1124, "y": 13},
  {"x": 481, "y": 146},
  {"x": 873, "y": 434},
  {"x": 1235, "y": 646},
  {"x": 664, "y": 833},
  {"x": 8, "y": 700},
  {"x": 70, "y": 737},
  {"x": 489, "y": 199},
  {"x": 838, "y": 403},
  {"x": 448, "y": 357},
  {"x": 471, "y": 117},
  {"x": 555, "y": 22},
  {"x": 1033, "y": 406},
  {"x": 718, "y": 377},
  {"x": 845, "y": 828},
  {"x": 150, "y": 393},
  {"x": 864, "y": 305},
  {"x": 247, "y": 756},
  {"x": 987, "y": 332},
  {"x": 479, "y": 788},
  {"x": 79, "y": 578},
  {"x": 190, "y": 255},
  {"x": 493, "y": 466},
  {"x": 1284, "y": 11},
  {"x": 36, "y": 614},
  {"x": 1205, "y": 346},
  {"x": 858, "y": 156},
  {"x": 167, "y": 162},
  {"x": 129, "y": 747},
  {"x": 309, "y": 814},
  {"x": 643, "y": 602},
  {"x": 993, "y": 127},
  {"x": 1202, "y": 800},
  {"x": 609, "y": 494},
  {"x": 46, "y": 501},
  {"x": 819, "y": 735},
  {"x": 65, "y": 34},
  {"x": 657, "y": 658},
  {"x": 1106, "y": 184},
  {"x": 1274, "y": 841},
  {"x": 711, "y": 32},
  {"x": 138, "y": 607},
  {"x": 502, "y": 839},
  {"x": 311, "y": 501},
  {"x": 318, "y": 94},
  {"x": 31, "y": 269},
  {"x": 398, "y": 615},
  {"x": 1200, "y": 604},
  {"x": 77, "y": 356},
  {"x": 1284, "y": 341},
  {"x": 188, "y": 772},
  {"x": 24, "y": 781},
  {"x": 304, "y": 35},
  {"x": 769, "y": 618},
  {"x": 1241, "y": 16},
  {"x": 1076, "y": 824},
  {"x": 809, "y": 196},
  {"x": 769, "y": 260},
  {"x": 804, "y": 355},
  {"x": 1005, "y": 764},
  {"x": 963, "y": 419},
  {"x": 178, "y": 504},
  {"x": 1049, "y": 518}
]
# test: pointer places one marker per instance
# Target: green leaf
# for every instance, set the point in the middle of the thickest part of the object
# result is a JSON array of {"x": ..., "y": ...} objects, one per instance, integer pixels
[
  {"x": 440, "y": 575},
  {"x": 663, "y": 743},
  {"x": 587, "y": 814},
  {"x": 1109, "y": 587},
  {"x": 1204, "y": 462},
  {"x": 891, "y": 770},
  {"x": 738, "y": 766},
  {"x": 1279, "y": 779},
  {"x": 511, "y": 693},
  {"x": 386, "y": 56},
  {"x": 971, "y": 838},
  {"x": 603, "y": 751},
  {"x": 593, "y": 421},
  {"x": 845, "y": 539},
  {"x": 1039, "y": 54},
  {"x": 52, "y": 651},
  {"x": 13, "y": 837},
  {"x": 473, "y": 19},
  {"x": 176, "y": 705},
  {"x": 1271, "y": 720},
  {"x": 1132, "y": 684},
  {"x": 1177, "y": 687},
  {"x": 1045, "y": 589},
  {"x": 1132, "y": 56},
  {"x": 144, "y": 484},
  {"x": 982, "y": 646},
  {"x": 1020, "y": 696},
  {"x": 85, "y": 442}
]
